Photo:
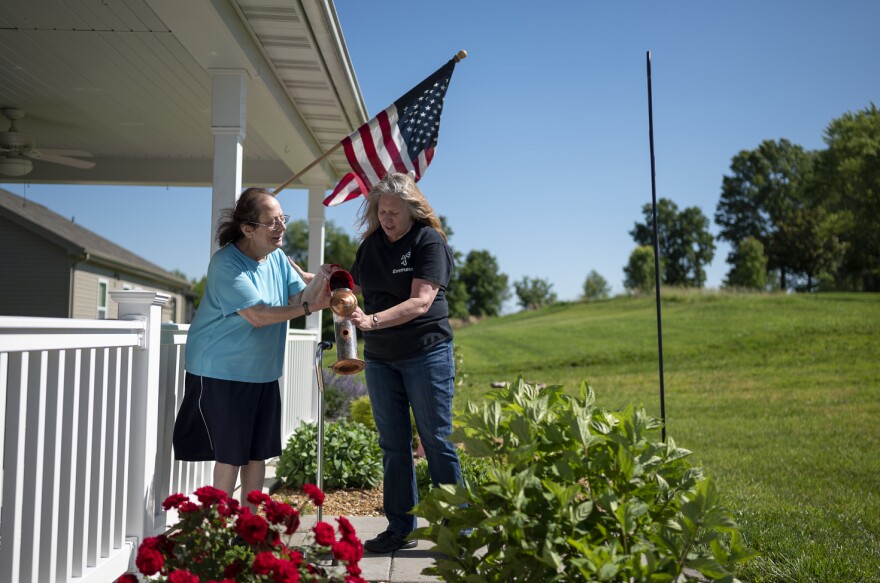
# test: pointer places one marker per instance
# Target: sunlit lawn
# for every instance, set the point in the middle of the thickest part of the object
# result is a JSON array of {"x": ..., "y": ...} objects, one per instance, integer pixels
[{"x": 777, "y": 396}]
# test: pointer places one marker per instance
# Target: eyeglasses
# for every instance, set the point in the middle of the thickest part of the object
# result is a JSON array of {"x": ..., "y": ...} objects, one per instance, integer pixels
[{"x": 277, "y": 224}]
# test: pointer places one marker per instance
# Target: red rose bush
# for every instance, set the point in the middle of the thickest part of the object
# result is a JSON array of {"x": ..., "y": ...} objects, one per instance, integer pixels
[{"x": 217, "y": 540}]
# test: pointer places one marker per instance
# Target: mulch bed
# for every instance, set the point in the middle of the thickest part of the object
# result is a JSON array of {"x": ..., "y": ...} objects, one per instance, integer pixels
[{"x": 342, "y": 502}]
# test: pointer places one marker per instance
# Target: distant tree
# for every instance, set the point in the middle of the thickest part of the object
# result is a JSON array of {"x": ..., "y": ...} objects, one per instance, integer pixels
[
  {"x": 639, "y": 270},
  {"x": 339, "y": 246},
  {"x": 533, "y": 294},
  {"x": 486, "y": 286},
  {"x": 198, "y": 290},
  {"x": 296, "y": 242},
  {"x": 456, "y": 291},
  {"x": 814, "y": 250},
  {"x": 686, "y": 245},
  {"x": 198, "y": 286},
  {"x": 748, "y": 265},
  {"x": 595, "y": 286},
  {"x": 847, "y": 184},
  {"x": 765, "y": 188}
]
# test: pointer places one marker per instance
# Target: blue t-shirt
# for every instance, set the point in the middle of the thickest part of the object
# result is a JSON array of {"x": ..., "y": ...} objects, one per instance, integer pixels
[{"x": 223, "y": 345}]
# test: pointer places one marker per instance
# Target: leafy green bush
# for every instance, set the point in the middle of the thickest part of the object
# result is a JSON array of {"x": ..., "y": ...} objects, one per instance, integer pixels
[
  {"x": 473, "y": 470},
  {"x": 352, "y": 458},
  {"x": 578, "y": 494},
  {"x": 339, "y": 392},
  {"x": 361, "y": 412},
  {"x": 333, "y": 402}
]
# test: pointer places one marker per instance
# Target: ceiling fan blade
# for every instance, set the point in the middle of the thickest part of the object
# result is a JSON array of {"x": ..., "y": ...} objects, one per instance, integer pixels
[
  {"x": 63, "y": 152},
  {"x": 56, "y": 159}
]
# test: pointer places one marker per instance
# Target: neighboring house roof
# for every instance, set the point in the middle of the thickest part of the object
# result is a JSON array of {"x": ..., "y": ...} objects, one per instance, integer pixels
[{"x": 81, "y": 242}]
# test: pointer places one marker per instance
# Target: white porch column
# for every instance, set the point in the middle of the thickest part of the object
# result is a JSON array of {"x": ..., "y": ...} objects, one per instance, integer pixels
[
  {"x": 228, "y": 123},
  {"x": 141, "y": 506},
  {"x": 316, "y": 245}
]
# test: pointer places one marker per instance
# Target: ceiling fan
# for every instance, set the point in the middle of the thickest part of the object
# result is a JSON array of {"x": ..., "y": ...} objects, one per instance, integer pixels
[{"x": 17, "y": 150}]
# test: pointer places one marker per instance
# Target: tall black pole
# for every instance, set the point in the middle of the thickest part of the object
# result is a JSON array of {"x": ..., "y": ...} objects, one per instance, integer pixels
[{"x": 656, "y": 250}]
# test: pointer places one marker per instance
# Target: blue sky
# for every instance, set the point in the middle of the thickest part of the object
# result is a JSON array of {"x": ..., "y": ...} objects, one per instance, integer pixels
[{"x": 543, "y": 155}]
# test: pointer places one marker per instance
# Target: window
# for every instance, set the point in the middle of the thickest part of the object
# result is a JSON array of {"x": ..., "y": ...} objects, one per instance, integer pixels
[{"x": 102, "y": 299}]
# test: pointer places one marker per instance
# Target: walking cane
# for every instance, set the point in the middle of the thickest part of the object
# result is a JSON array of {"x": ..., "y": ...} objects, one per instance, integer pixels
[{"x": 319, "y": 355}]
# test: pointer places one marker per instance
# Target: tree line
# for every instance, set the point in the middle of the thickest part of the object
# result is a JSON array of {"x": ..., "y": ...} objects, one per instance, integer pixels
[{"x": 796, "y": 219}]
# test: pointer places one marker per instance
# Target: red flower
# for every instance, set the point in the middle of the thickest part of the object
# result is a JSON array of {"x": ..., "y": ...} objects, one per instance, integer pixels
[
  {"x": 354, "y": 579},
  {"x": 314, "y": 493},
  {"x": 324, "y": 534},
  {"x": 256, "y": 497},
  {"x": 348, "y": 552},
  {"x": 174, "y": 501},
  {"x": 127, "y": 578},
  {"x": 226, "y": 510},
  {"x": 264, "y": 563},
  {"x": 232, "y": 570},
  {"x": 182, "y": 576},
  {"x": 295, "y": 557},
  {"x": 252, "y": 528},
  {"x": 209, "y": 495},
  {"x": 149, "y": 561},
  {"x": 187, "y": 506},
  {"x": 286, "y": 572},
  {"x": 280, "y": 513},
  {"x": 346, "y": 530}
]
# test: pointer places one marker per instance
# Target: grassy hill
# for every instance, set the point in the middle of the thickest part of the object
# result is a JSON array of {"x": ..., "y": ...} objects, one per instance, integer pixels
[{"x": 778, "y": 396}]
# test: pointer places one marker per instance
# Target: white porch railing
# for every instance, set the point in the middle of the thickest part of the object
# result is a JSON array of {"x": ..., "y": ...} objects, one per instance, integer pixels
[{"x": 88, "y": 408}]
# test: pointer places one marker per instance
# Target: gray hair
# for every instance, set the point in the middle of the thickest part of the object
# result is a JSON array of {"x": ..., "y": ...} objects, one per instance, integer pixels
[{"x": 404, "y": 187}]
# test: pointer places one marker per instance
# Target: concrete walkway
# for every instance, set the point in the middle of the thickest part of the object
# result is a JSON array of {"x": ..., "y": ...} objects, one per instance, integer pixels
[{"x": 400, "y": 566}]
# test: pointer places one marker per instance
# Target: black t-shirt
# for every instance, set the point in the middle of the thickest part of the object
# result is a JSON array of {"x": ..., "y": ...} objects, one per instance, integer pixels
[{"x": 385, "y": 271}]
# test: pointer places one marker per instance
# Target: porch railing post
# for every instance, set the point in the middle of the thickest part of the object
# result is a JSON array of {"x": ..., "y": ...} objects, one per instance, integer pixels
[{"x": 140, "y": 505}]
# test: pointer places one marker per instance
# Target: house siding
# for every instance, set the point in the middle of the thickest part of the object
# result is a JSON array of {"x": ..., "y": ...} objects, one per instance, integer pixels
[
  {"x": 51, "y": 267},
  {"x": 85, "y": 294},
  {"x": 36, "y": 274}
]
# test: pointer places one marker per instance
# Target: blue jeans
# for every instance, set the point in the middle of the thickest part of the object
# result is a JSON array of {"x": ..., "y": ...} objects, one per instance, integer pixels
[{"x": 425, "y": 382}]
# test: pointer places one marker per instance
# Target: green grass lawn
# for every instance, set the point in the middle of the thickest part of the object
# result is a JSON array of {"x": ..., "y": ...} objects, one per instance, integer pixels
[{"x": 778, "y": 396}]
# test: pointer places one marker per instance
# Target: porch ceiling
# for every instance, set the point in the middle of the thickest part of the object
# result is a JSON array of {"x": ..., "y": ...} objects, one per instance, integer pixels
[{"x": 129, "y": 81}]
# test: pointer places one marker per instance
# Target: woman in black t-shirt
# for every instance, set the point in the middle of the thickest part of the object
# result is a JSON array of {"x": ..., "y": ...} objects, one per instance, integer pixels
[{"x": 402, "y": 269}]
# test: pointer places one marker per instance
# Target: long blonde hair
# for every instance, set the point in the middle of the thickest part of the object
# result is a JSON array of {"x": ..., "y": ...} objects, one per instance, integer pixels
[{"x": 405, "y": 188}]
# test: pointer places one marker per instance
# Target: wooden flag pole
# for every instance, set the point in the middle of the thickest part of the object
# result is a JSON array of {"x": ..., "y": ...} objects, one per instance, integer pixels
[
  {"x": 314, "y": 163},
  {"x": 459, "y": 56}
]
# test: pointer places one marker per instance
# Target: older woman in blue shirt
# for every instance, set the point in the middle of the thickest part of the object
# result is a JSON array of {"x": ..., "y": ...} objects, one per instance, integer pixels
[{"x": 231, "y": 412}]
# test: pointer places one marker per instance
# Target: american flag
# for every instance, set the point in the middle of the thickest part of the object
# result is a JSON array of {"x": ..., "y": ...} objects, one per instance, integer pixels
[{"x": 402, "y": 138}]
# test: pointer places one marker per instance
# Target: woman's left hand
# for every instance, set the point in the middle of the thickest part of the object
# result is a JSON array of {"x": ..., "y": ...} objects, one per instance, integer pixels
[{"x": 361, "y": 320}]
